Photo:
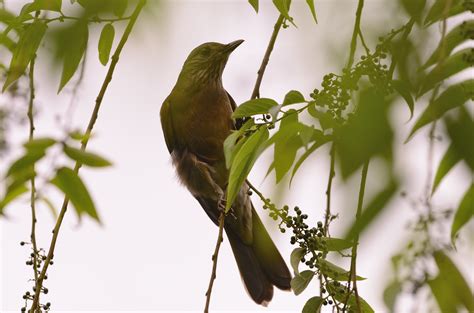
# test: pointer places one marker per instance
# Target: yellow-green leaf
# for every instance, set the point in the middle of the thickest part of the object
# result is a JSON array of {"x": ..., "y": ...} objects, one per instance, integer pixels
[
  {"x": 254, "y": 4},
  {"x": 85, "y": 157},
  {"x": 105, "y": 43},
  {"x": 301, "y": 281},
  {"x": 24, "y": 51},
  {"x": 451, "y": 157},
  {"x": 293, "y": 96},
  {"x": 464, "y": 213},
  {"x": 312, "y": 9},
  {"x": 254, "y": 107},
  {"x": 436, "y": 12},
  {"x": 313, "y": 305}
]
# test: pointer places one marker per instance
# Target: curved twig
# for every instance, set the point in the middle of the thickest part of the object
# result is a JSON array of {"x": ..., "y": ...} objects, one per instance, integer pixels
[{"x": 93, "y": 119}]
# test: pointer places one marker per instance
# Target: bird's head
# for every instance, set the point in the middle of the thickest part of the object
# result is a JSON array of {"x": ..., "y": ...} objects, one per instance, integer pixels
[{"x": 206, "y": 62}]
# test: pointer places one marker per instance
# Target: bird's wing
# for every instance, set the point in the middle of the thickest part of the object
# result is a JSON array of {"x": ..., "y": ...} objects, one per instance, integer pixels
[
  {"x": 240, "y": 121},
  {"x": 167, "y": 125}
]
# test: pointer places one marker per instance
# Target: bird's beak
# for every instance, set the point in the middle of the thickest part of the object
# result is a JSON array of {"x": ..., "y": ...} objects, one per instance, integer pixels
[{"x": 231, "y": 46}]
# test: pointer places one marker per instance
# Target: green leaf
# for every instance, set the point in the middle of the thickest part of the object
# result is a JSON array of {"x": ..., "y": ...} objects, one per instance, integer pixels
[
  {"x": 312, "y": 9},
  {"x": 295, "y": 259},
  {"x": 333, "y": 271},
  {"x": 452, "y": 97},
  {"x": 105, "y": 43},
  {"x": 119, "y": 7},
  {"x": 286, "y": 147},
  {"x": 12, "y": 195},
  {"x": 414, "y": 8},
  {"x": 73, "y": 46},
  {"x": 436, "y": 12},
  {"x": 464, "y": 212},
  {"x": 254, "y": 4},
  {"x": 283, "y": 7},
  {"x": 455, "y": 37},
  {"x": 340, "y": 294},
  {"x": 25, "y": 162},
  {"x": 391, "y": 293},
  {"x": 319, "y": 142},
  {"x": 234, "y": 142},
  {"x": 336, "y": 244},
  {"x": 366, "y": 134},
  {"x": 25, "y": 51},
  {"x": 454, "y": 281},
  {"x": 72, "y": 186},
  {"x": 403, "y": 88},
  {"x": 450, "y": 159},
  {"x": 38, "y": 5},
  {"x": 371, "y": 211},
  {"x": 454, "y": 64},
  {"x": 39, "y": 144},
  {"x": 443, "y": 295},
  {"x": 461, "y": 132},
  {"x": 313, "y": 305},
  {"x": 7, "y": 42},
  {"x": 301, "y": 281},
  {"x": 86, "y": 158},
  {"x": 243, "y": 162},
  {"x": 254, "y": 107},
  {"x": 292, "y": 97},
  {"x": 325, "y": 118}
]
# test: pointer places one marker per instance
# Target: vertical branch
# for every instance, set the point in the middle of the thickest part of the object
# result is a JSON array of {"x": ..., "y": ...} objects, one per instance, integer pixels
[
  {"x": 90, "y": 126},
  {"x": 355, "y": 33},
  {"x": 214, "y": 261},
  {"x": 266, "y": 57},
  {"x": 32, "y": 182},
  {"x": 327, "y": 217}
]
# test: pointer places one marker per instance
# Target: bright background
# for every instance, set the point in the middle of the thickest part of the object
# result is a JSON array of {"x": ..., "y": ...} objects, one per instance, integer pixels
[{"x": 154, "y": 250}]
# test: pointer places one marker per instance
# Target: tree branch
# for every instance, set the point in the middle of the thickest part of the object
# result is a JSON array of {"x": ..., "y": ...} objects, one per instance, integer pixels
[
  {"x": 355, "y": 33},
  {"x": 93, "y": 119},
  {"x": 214, "y": 261},
  {"x": 266, "y": 57}
]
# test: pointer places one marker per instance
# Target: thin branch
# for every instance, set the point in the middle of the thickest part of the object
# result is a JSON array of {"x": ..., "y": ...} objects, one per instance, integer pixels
[
  {"x": 353, "y": 271},
  {"x": 32, "y": 182},
  {"x": 355, "y": 33},
  {"x": 332, "y": 173},
  {"x": 266, "y": 57},
  {"x": 90, "y": 126},
  {"x": 214, "y": 261},
  {"x": 93, "y": 20}
]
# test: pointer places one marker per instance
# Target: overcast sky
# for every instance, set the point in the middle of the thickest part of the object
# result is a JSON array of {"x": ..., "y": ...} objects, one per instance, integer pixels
[{"x": 154, "y": 250}]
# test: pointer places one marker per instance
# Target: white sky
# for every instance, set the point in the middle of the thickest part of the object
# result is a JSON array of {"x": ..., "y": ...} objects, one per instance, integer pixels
[{"x": 154, "y": 251}]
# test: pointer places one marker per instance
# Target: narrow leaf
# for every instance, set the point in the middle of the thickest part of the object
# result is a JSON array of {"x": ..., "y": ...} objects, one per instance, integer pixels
[
  {"x": 464, "y": 212},
  {"x": 454, "y": 280},
  {"x": 86, "y": 158},
  {"x": 26, "y": 161},
  {"x": 38, "y": 5},
  {"x": 455, "y": 37},
  {"x": 301, "y": 281},
  {"x": 24, "y": 51},
  {"x": 39, "y": 144},
  {"x": 307, "y": 153},
  {"x": 283, "y": 7},
  {"x": 12, "y": 195},
  {"x": 105, "y": 43},
  {"x": 286, "y": 147},
  {"x": 293, "y": 96},
  {"x": 313, "y": 10},
  {"x": 234, "y": 142},
  {"x": 243, "y": 162},
  {"x": 295, "y": 259},
  {"x": 313, "y": 305},
  {"x": 72, "y": 186},
  {"x": 443, "y": 295},
  {"x": 336, "y": 244},
  {"x": 73, "y": 46},
  {"x": 414, "y": 8},
  {"x": 452, "y": 97},
  {"x": 461, "y": 132},
  {"x": 390, "y": 295},
  {"x": 449, "y": 160},
  {"x": 254, "y": 107},
  {"x": 333, "y": 271},
  {"x": 436, "y": 12},
  {"x": 454, "y": 64},
  {"x": 371, "y": 211},
  {"x": 254, "y": 4},
  {"x": 403, "y": 88}
]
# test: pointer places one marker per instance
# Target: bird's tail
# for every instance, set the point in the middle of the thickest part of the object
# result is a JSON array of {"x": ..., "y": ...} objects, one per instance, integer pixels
[{"x": 260, "y": 264}]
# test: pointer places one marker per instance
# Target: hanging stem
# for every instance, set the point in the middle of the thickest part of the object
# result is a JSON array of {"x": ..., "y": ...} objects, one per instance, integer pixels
[{"x": 93, "y": 119}]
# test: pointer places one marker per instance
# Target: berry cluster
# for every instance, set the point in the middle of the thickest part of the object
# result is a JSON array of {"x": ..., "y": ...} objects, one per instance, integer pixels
[{"x": 35, "y": 260}]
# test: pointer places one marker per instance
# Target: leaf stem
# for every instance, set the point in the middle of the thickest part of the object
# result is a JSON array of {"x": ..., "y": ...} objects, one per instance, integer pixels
[
  {"x": 353, "y": 271},
  {"x": 93, "y": 119},
  {"x": 214, "y": 261},
  {"x": 266, "y": 57},
  {"x": 355, "y": 33}
]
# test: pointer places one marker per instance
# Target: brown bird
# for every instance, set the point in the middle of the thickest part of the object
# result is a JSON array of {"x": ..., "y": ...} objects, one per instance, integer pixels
[{"x": 196, "y": 119}]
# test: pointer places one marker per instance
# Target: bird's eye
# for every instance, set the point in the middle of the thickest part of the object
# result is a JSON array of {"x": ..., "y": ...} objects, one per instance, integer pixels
[{"x": 205, "y": 52}]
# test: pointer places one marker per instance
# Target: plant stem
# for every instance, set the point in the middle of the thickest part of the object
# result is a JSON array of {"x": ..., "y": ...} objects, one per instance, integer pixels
[
  {"x": 266, "y": 57},
  {"x": 332, "y": 173},
  {"x": 214, "y": 261},
  {"x": 93, "y": 119},
  {"x": 353, "y": 271},
  {"x": 355, "y": 33},
  {"x": 32, "y": 182}
]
